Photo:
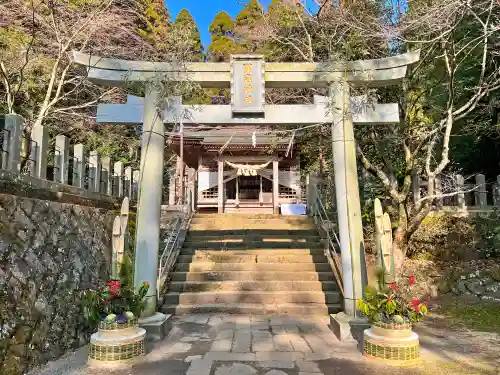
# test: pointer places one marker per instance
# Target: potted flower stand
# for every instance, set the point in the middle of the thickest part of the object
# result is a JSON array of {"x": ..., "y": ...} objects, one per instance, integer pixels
[
  {"x": 392, "y": 313},
  {"x": 391, "y": 343},
  {"x": 115, "y": 345}
]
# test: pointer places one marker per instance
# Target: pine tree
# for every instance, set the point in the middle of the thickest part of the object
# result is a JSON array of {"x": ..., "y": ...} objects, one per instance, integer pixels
[{"x": 185, "y": 21}]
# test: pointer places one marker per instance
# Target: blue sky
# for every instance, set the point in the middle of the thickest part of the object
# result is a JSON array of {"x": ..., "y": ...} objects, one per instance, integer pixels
[{"x": 204, "y": 11}]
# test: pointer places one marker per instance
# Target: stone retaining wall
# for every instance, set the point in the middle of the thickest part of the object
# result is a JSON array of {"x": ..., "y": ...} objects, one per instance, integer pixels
[{"x": 49, "y": 251}]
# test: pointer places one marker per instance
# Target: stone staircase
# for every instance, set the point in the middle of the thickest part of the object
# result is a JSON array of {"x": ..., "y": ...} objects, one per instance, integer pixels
[{"x": 252, "y": 264}]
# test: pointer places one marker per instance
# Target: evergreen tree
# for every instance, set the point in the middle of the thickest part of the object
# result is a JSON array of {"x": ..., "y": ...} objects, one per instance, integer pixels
[
  {"x": 223, "y": 44},
  {"x": 184, "y": 21},
  {"x": 246, "y": 26},
  {"x": 154, "y": 23}
]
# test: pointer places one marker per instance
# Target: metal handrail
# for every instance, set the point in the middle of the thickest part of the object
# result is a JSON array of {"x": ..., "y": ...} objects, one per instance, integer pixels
[
  {"x": 172, "y": 245},
  {"x": 324, "y": 224}
]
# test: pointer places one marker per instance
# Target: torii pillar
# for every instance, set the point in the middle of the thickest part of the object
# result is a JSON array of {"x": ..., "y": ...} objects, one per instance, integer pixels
[{"x": 149, "y": 211}]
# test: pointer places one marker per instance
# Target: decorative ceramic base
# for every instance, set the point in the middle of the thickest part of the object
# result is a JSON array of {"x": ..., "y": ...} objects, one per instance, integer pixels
[
  {"x": 396, "y": 345},
  {"x": 113, "y": 346}
]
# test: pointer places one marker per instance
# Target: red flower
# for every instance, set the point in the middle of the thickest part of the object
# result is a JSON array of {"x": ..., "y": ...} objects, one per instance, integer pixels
[
  {"x": 415, "y": 304},
  {"x": 393, "y": 286},
  {"x": 412, "y": 280},
  {"x": 114, "y": 287},
  {"x": 114, "y": 284}
]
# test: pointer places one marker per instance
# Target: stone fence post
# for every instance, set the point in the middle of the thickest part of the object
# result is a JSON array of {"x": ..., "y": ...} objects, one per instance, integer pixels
[
  {"x": 106, "y": 183},
  {"x": 11, "y": 160},
  {"x": 480, "y": 197},
  {"x": 460, "y": 184},
  {"x": 118, "y": 179},
  {"x": 415, "y": 188},
  {"x": 135, "y": 185},
  {"x": 79, "y": 165},
  {"x": 128, "y": 183},
  {"x": 438, "y": 191},
  {"x": 61, "y": 161},
  {"x": 40, "y": 148},
  {"x": 496, "y": 193},
  {"x": 94, "y": 172}
]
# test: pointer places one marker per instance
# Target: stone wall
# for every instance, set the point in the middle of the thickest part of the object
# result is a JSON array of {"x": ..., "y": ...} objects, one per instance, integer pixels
[{"x": 49, "y": 252}]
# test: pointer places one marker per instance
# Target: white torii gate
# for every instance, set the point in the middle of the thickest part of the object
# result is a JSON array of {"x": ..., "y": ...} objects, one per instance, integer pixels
[{"x": 247, "y": 76}]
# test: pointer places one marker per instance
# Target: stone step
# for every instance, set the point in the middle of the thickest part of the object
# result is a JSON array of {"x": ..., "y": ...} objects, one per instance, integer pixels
[
  {"x": 252, "y": 251},
  {"x": 255, "y": 237},
  {"x": 255, "y": 309},
  {"x": 243, "y": 216},
  {"x": 249, "y": 258},
  {"x": 253, "y": 245},
  {"x": 250, "y": 225},
  {"x": 269, "y": 267},
  {"x": 274, "y": 232},
  {"x": 251, "y": 276},
  {"x": 210, "y": 286},
  {"x": 210, "y": 298}
]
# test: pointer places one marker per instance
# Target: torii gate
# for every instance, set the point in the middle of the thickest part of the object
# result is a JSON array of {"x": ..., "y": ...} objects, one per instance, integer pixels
[{"x": 247, "y": 76}]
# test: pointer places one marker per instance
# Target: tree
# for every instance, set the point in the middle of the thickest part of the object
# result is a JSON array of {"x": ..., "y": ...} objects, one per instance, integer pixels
[
  {"x": 185, "y": 21},
  {"x": 457, "y": 75},
  {"x": 153, "y": 25},
  {"x": 247, "y": 21},
  {"x": 223, "y": 44},
  {"x": 445, "y": 95}
]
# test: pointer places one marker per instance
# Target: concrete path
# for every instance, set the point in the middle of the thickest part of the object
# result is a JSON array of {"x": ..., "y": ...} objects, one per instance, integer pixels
[
  {"x": 247, "y": 345},
  {"x": 229, "y": 345}
]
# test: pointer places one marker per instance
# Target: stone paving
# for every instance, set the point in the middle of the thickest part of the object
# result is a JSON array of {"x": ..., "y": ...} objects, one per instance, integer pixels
[{"x": 231, "y": 344}]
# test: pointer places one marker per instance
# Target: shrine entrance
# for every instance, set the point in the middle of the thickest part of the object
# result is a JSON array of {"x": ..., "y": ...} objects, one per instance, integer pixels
[{"x": 247, "y": 77}]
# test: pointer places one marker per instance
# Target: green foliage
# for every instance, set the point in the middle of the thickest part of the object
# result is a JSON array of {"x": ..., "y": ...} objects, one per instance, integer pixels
[
  {"x": 489, "y": 230},
  {"x": 154, "y": 23},
  {"x": 251, "y": 15},
  {"x": 221, "y": 26},
  {"x": 221, "y": 48},
  {"x": 184, "y": 21},
  {"x": 116, "y": 297},
  {"x": 392, "y": 304}
]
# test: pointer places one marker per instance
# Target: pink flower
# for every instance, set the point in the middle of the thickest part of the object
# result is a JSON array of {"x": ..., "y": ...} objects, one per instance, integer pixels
[{"x": 393, "y": 286}]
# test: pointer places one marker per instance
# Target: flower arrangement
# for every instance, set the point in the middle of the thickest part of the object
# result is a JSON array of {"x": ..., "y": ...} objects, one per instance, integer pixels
[
  {"x": 114, "y": 303},
  {"x": 391, "y": 305}
]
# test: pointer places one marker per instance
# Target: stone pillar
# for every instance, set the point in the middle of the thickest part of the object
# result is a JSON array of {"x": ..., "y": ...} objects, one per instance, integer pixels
[
  {"x": 460, "y": 182},
  {"x": 347, "y": 196},
  {"x": 79, "y": 166},
  {"x": 118, "y": 179},
  {"x": 220, "y": 187},
  {"x": 40, "y": 143},
  {"x": 480, "y": 194},
  {"x": 106, "y": 185},
  {"x": 12, "y": 143},
  {"x": 94, "y": 172},
  {"x": 128, "y": 182},
  {"x": 149, "y": 204},
  {"x": 276, "y": 188},
  {"x": 62, "y": 159},
  {"x": 135, "y": 184}
]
